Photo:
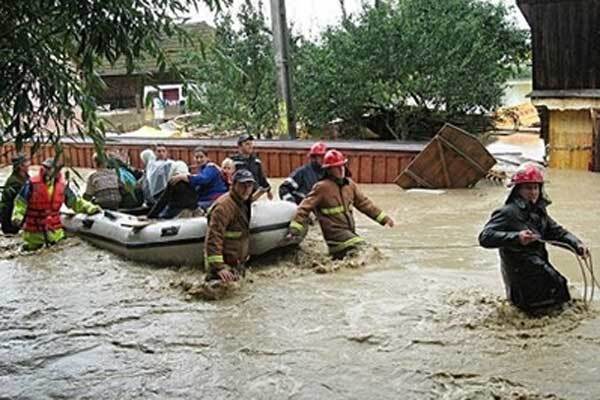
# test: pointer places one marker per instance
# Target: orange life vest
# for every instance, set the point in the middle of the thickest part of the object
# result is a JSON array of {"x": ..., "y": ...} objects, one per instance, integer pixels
[{"x": 43, "y": 212}]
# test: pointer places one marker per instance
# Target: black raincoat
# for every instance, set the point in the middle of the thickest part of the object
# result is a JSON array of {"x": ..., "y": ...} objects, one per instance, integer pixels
[
  {"x": 531, "y": 281},
  {"x": 300, "y": 182}
]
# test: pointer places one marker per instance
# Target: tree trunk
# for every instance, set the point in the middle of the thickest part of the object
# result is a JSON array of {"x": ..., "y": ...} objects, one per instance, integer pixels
[{"x": 343, "y": 7}]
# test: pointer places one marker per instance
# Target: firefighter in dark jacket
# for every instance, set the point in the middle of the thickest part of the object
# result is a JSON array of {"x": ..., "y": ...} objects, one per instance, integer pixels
[
  {"x": 518, "y": 230},
  {"x": 332, "y": 200},
  {"x": 296, "y": 186},
  {"x": 12, "y": 187},
  {"x": 246, "y": 159},
  {"x": 227, "y": 241}
]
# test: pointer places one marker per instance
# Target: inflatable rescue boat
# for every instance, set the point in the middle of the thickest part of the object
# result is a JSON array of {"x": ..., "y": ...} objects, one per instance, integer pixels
[{"x": 176, "y": 241}]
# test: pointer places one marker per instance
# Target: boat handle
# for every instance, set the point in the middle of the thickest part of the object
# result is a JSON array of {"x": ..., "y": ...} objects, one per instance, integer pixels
[{"x": 170, "y": 231}]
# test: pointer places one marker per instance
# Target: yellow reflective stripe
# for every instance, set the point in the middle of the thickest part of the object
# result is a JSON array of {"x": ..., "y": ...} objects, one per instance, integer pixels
[
  {"x": 215, "y": 259},
  {"x": 333, "y": 210},
  {"x": 233, "y": 235},
  {"x": 380, "y": 217},
  {"x": 296, "y": 225},
  {"x": 335, "y": 247}
]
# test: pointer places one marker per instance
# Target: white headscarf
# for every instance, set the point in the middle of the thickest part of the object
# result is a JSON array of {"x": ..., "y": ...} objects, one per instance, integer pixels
[
  {"x": 157, "y": 172},
  {"x": 179, "y": 168}
]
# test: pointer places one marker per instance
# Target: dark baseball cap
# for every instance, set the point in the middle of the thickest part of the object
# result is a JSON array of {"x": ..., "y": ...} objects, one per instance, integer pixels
[
  {"x": 243, "y": 176},
  {"x": 244, "y": 138}
]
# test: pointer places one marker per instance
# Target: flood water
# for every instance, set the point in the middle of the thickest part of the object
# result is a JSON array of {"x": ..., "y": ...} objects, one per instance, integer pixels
[{"x": 422, "y": 318}]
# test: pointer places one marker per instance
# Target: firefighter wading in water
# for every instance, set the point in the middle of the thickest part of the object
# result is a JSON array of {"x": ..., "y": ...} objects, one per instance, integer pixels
[
  {"x": 517, "y": 229},
  {"x": 38, "y": 205},
  {"x": 332, "y": 200},
  {"x": 227, "y": 241}
]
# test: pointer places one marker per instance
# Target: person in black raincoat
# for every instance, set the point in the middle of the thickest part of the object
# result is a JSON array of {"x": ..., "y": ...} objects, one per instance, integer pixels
[
  {"x": 518, "y": 230},
  {"x": 300, "y": 182}
]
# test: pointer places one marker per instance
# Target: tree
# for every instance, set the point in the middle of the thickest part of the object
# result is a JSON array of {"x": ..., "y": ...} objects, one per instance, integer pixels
[
  {"x": 236, "y": 79},
  {"x": 409, "y": 65},
  {"x": 50, "y": 51}
]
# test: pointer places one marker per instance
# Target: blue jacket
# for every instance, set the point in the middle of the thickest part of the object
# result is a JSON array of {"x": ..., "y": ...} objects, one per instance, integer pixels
[{"x": 208, "y": 183}]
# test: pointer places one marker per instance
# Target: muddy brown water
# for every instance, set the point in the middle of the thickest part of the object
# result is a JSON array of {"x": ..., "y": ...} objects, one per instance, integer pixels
[{"x": 421, "y": 318}]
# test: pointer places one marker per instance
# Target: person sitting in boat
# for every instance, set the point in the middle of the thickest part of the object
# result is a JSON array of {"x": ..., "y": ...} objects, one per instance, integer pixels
[
  {"x": 518, "y": 230},
  {"x": 178, "y": 196},
  {"x": 332, "y": 200},
  {"x": 228, "y": 169},
  {"x": 227, "y": 243},
  {"x": 209, "y": 182},
  {"x": 156, "y": 175},
  {"x": 12, "y": 187},
  {"x": 162, "y": 154},
  {"x": 246, "y": 159},
  {"x": 300, "y": 182},
  {"x": 103, "y": 186},
  {"x": 131, "y": 195},
  {"x": 38, "y": 205}
]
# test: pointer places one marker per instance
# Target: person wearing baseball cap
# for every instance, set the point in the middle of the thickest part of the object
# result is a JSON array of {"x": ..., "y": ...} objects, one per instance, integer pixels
[
  {"x": 519, "y": 230},
  {"x": 246, "y": 159},
  {"x": 227, "y": 241},
  {"x": 38, "y": 206},
  {"x": 332, "y": 200},
  {"x": 300, "y": 182},
  {"x": 13, "y": 185}
]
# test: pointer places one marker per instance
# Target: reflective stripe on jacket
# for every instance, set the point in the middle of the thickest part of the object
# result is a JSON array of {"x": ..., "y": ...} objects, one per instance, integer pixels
[
  {"x": 227, "y": 241},
  {"x": 300, "y": 182},
  {"x": 332, "y": 202}
]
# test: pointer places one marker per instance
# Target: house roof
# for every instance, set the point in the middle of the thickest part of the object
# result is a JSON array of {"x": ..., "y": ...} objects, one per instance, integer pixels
[{"x": 173, "y": 48}]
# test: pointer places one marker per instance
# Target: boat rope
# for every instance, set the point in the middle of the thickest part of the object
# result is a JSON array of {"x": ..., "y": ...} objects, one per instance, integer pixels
[{"x": 586, "y": 265}]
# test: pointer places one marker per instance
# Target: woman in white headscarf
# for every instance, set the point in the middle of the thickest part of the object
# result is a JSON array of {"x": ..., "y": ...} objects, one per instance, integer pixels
[
  {"x": 156, "y": 175},
  {"x": 176, "y": 197}
]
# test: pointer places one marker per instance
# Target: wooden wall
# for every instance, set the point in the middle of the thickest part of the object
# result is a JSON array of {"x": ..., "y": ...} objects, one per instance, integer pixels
[
  {"x": 565, "y": 43},
  {"x": 378, "y": 164},
  {"x": 570, "y": 139}
]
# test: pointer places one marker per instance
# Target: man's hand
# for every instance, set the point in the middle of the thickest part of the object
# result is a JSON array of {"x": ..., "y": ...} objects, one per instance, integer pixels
[
  {"x": 226, "y": 275},
  {"x": 16, "y": 222},
  {"x": 389, "y": 223},
  {"x": 269, "y": 195},
  {"x": 526, "y": 237},
  {"x": 583, "y": 250}
]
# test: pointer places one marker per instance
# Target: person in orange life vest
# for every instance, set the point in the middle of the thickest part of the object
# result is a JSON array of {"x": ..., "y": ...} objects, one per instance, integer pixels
[
  {"x": 332, "y": 200},
  {"x": 38, "y": 206}
]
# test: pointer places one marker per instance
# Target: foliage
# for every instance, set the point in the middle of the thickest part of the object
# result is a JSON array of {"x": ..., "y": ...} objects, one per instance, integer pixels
[
  {"x": 235, "y": 80},
  {"x": 409, "y": 61},
  {"x": 50, "y": 51}
]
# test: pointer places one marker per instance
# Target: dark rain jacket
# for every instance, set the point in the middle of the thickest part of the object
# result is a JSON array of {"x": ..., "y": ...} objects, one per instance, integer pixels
[
  {"x": 332, "y": 202},
  {"x": 12, "y": 187},
  {"x": 300, "y": 182},
  {"x": 227, "y": 242},
  {"x": 253, "y": 164},
  {"x": 530, "y": 280}
]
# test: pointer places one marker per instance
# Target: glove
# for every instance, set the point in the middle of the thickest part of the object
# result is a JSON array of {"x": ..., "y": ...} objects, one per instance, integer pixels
[{"x": 94, "y": 210}]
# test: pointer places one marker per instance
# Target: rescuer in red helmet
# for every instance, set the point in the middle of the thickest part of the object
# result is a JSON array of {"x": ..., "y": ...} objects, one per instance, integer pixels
[
  {"x": 332, "y": 200},
  {"x": 300, "y": 182},
  {"x": 518, "y": 230}
]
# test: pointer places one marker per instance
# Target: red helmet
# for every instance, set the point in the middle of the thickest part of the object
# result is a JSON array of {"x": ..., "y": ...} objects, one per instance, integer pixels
[
  {"x": 527, "y": 173},
  {"x": 318, "y": 149},
  {"x": 334, "y": 158}
]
